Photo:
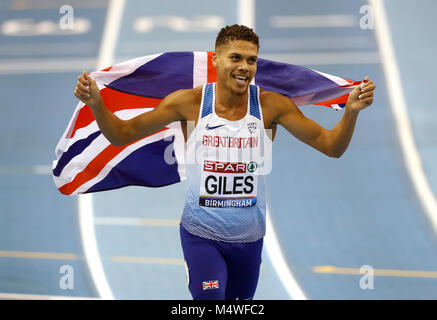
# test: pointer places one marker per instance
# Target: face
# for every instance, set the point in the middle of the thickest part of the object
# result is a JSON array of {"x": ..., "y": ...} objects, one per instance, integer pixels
[{"x": 235, "y": 62}]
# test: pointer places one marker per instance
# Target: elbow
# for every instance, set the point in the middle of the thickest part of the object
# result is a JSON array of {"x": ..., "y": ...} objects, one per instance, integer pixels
[
  {"x": 116, "y": 143},
  {"x": 120, "y": 137},
  {"x": 335, "y": 153},
  {"x": 334, "y": 150}
]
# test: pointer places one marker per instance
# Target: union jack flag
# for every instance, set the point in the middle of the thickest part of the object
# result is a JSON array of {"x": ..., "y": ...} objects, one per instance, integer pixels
[
  {"x": 87, "y": 162},
  {"x": 210, "y": 284}
]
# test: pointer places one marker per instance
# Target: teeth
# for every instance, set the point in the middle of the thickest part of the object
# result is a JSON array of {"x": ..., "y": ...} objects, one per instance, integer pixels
[{"x": 241, "y": 78}]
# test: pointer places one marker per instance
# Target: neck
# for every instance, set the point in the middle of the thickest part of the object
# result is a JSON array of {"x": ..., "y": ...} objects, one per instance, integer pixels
[{"x": 225, "y": 97}]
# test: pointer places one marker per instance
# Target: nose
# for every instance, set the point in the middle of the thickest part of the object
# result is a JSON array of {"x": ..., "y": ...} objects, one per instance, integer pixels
[{"x": 243, "y": 66}]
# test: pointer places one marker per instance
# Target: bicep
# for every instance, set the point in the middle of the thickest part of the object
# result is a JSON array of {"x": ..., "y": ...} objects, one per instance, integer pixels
[
  {"x": 303, "y": 128},
  {"x": 149, "y": 122}
]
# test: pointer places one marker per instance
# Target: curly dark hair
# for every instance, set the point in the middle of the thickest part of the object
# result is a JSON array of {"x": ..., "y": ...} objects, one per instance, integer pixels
[{"x": 236, "y": 32}]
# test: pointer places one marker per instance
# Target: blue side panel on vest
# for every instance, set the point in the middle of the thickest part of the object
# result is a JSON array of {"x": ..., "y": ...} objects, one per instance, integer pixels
[
  {"x": 207, "y": 100},
  {"x": 254, "y": 107}
]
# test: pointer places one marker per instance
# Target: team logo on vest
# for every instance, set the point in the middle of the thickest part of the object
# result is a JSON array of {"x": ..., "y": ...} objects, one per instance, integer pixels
[{"x": 251, "y": 126}]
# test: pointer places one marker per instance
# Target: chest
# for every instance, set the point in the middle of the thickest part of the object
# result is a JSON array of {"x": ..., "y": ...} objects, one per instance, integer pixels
[{"x": 232, "y": 114}]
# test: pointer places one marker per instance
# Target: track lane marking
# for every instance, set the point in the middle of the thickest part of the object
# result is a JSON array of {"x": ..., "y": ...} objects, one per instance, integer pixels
[
  {"x": 149, "y": 222},
  {"x": 25, "y": 296},
  {"x": 313, "y": 21},
  {"x": 49, "y": 4},
  {"x": 37, "y": 255},
  {"x": 376, "y": 272},
  {"x": 148, "y": 260},
  {"x": 85, "y": 201},
  {"x": 398, "y": 105}
]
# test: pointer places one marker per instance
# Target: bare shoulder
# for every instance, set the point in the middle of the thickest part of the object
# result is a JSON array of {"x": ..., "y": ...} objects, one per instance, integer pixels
[
  {"x": 185, "y": 96},
  {"x": 185, "y": 102},
  {"x": 274, "y": 99},
  {"x": 274, "y": 105}
]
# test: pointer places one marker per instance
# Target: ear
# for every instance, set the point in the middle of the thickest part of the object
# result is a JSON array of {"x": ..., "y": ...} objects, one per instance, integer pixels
[{"x": 214, "y": 60}]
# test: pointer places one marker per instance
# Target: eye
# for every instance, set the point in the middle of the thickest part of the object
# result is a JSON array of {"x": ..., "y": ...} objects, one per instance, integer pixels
[
  {"x": 235, "y": 58},
  {"x": 252, "y": 60}
]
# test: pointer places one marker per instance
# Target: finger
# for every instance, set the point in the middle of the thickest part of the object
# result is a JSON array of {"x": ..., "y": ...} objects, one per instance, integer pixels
[
  {"x": 83, "y": 87},
  {"x": 366, "y": 95},
  {"x": 83, "y": 81},
  {"x": 77, "y": 95},
  {"x": 369, "y": 87},
  {"x": 81, "y": 95},
  {"x": 86, "y": 76},
  {"x": 368, "y": 84},
  {"x": 356, "y": 90},
  {"x": 368, "y": 101},
  {"x": 92, "y": 81}
]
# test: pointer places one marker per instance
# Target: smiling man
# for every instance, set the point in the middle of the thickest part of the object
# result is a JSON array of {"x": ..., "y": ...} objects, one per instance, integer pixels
[{"x": 223, "y": 221}]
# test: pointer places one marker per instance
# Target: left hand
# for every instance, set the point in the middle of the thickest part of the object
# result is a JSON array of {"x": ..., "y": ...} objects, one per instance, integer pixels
[{"x": 361, "y": 98}]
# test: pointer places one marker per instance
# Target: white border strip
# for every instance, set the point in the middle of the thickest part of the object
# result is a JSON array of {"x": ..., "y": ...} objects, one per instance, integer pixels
[
  {"x": 200, "y": 68},
  {"x": 398, "y": 105},
  {"x": 85, "y": 201}
]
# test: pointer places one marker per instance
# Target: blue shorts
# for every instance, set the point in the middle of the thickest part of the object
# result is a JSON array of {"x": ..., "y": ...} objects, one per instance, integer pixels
[{"x": 220, "y": 270}]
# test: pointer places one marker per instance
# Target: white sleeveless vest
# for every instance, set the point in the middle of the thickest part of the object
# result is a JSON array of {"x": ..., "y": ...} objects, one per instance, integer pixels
[{"x": 226, "y": 162}]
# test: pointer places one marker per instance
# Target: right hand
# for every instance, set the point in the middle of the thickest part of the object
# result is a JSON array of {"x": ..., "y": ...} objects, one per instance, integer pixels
[{"x": 87, "y": 91}]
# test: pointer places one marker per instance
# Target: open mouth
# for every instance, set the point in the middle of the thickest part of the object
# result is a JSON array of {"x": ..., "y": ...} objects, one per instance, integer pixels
[{"x": 241, "y": 80}]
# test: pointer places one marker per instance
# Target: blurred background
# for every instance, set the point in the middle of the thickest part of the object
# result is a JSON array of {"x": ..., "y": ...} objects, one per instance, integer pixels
[{"x": 359, "y": 227}]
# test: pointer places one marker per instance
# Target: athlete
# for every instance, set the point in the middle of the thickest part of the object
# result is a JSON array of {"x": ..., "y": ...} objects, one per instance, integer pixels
[{"x": 223, "y": 222}]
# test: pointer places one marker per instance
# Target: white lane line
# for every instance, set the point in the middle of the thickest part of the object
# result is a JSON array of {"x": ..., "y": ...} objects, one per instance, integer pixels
[
  {"x": 86, "y": 222},
  {"x": 37, "y": 255},
  {"x": 148, "y": 260},
  {"x": 246, "y": 13},
  {"x": 279, "y": 264},
  {"x": 376, "y": 272},
  {"x": 91, "y": 250},
  {"x": 50, "y": 4},
  {"x": 125, "y": 221},
  {"x": 110, "y": 36},
  {"x": 399, "y": 109},
  {"x": 21, "y": 296},
  {"x": 247, "y": 18},
  {"x": 313, "y": 21},
  {"x": 325, "y": 58}
]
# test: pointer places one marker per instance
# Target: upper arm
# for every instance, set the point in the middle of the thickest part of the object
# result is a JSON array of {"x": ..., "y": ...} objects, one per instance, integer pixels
[
  {"x": 288, "y": 115},
  {"x": 167, "y": 111}
]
